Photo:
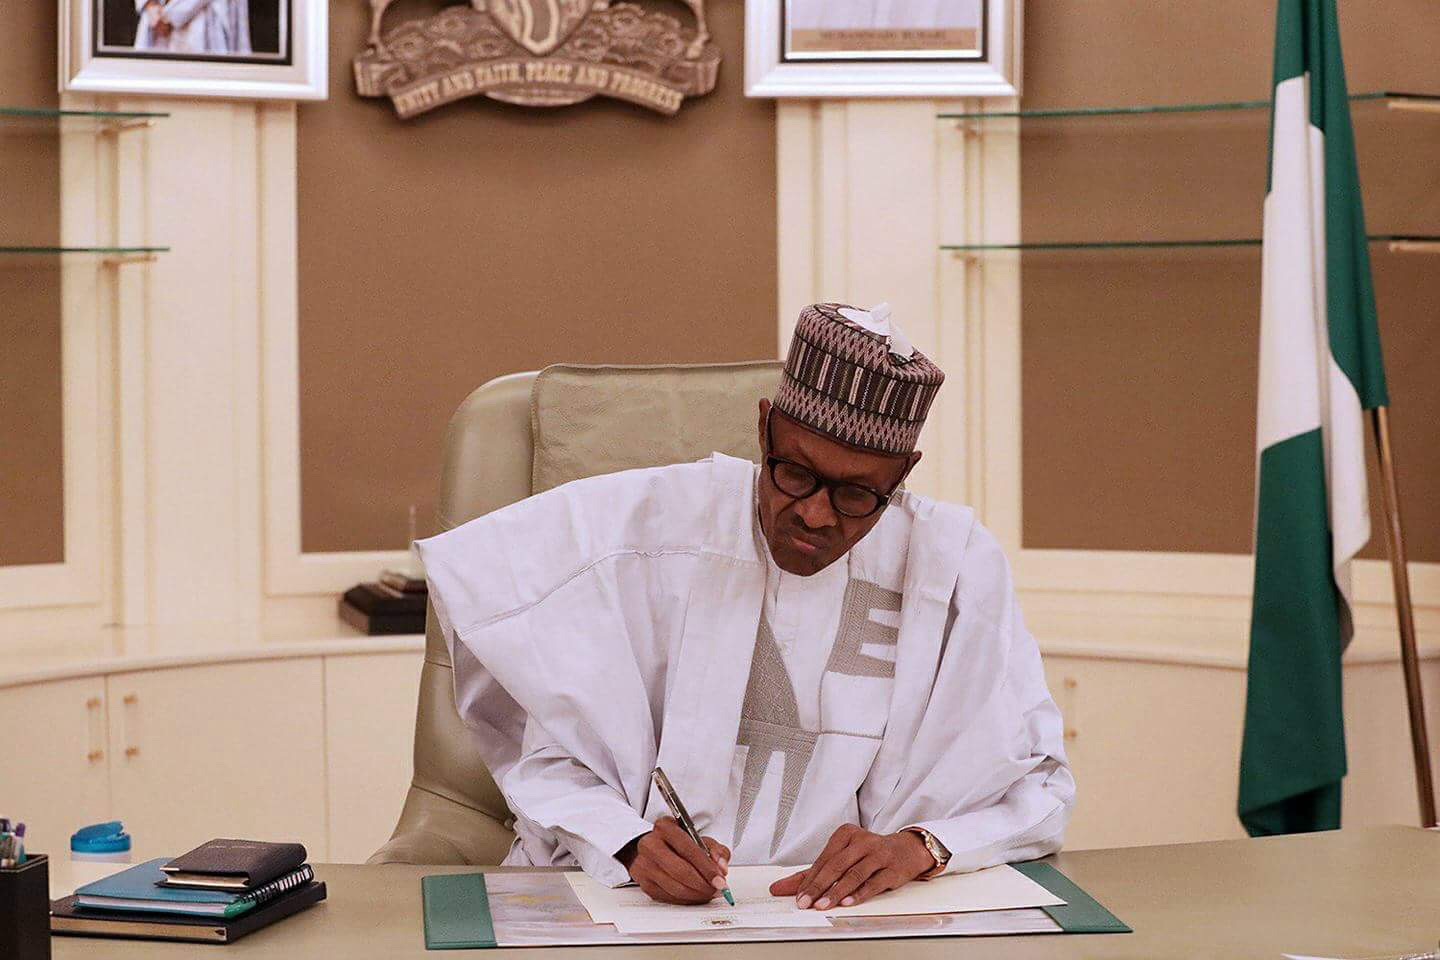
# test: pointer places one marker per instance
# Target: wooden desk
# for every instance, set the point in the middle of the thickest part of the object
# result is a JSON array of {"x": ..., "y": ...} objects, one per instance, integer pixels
[{"x": 1353, "y": 893}]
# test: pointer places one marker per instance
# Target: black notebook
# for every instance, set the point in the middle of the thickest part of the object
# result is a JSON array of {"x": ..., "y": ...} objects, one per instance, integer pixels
[
  {"x": 68, "y": 919},
  {"x": 234, "y": 864}
]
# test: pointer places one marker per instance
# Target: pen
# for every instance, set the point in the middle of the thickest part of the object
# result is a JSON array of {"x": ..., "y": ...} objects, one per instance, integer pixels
[{"x": 672, "y": 800}]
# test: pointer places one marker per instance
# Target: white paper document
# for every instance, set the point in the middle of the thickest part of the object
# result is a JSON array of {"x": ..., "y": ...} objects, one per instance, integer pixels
[
  {"x": 994, "y": 888},
  {"x": 632, "y": 911}
]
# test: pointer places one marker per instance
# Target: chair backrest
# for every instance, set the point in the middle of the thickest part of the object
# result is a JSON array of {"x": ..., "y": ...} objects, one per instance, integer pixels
[{"x": 527, "y": 432}]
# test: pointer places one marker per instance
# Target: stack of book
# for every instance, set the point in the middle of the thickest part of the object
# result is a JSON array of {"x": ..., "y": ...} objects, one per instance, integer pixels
[
  {"x": 393, "y": 604},
  {"x": 216, "y": 893}
]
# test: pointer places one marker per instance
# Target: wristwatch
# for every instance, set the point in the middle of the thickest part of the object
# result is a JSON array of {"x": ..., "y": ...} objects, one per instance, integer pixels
[{"x": 936, "y": 850}]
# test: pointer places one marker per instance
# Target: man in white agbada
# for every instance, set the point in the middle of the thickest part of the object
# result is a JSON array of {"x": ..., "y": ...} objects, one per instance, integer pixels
[
  {"x": 831, "y": 670},
  {"x": 194, "y": 26}
]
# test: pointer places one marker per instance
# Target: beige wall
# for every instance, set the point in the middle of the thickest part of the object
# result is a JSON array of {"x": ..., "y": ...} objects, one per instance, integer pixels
[
  {"x": 1139, "y": 368},
  {"x": 484, "y": 239},
  {"x": 31, "y": 495}
]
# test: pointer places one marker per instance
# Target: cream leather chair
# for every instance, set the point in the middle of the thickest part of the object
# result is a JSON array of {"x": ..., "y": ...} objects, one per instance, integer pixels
[{"x": 523, "y": 434}]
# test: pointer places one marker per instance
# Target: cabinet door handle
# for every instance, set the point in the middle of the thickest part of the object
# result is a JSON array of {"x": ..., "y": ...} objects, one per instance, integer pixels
[
  {"x": 131, "y": 703},
  {"x": 93, "y": 717}
]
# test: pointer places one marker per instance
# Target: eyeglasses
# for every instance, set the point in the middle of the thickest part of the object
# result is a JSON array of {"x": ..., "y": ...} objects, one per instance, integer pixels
[{"x": 798, "y": 481}]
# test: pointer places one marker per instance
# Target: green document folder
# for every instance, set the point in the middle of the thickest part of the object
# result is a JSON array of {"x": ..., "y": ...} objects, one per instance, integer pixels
[
  {"x": 457, "y": 912},
  {"x": 1080, "y": 913}
]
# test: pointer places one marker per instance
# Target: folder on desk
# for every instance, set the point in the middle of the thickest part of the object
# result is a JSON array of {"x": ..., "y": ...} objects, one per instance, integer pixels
[
  {"x": 457, "y": 912},
  {"x": 463, "y": 911}
]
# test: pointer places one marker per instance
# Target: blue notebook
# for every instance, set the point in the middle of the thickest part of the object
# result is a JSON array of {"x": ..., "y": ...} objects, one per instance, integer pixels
[{"x": 139, "y": 888}]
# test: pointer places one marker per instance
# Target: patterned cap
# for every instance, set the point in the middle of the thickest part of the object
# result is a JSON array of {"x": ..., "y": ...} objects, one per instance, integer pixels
[{"x": 853, "y": 376}]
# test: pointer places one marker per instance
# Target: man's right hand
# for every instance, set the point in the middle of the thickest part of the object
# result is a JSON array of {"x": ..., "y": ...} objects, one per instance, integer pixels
[{"x": 669, "y": 867}]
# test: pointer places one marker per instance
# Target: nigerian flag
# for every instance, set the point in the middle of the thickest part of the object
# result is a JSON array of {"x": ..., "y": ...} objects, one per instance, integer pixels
[{"x": 1320, "y": 366}]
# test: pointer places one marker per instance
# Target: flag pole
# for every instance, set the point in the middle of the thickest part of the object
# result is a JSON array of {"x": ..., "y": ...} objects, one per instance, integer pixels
[{"x": 1409, "y": 657}]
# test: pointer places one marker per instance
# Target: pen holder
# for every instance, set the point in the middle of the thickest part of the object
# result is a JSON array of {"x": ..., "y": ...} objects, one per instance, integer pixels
[{"x": 25, "y": 910}]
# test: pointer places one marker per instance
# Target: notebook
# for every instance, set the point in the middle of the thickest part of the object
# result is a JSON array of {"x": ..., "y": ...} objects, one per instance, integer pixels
[
  {"x": 67, "y": 918},
  {"x": 141, "y": 889},
  {"x": 234, "y": 864}
]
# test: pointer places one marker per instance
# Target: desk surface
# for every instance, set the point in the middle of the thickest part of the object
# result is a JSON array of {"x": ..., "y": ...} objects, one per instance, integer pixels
[{"x": 1353, "y": 893}]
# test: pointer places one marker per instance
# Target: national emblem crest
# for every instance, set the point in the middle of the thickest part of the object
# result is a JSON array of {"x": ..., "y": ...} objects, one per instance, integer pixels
[{"x": 543, "y": 53}]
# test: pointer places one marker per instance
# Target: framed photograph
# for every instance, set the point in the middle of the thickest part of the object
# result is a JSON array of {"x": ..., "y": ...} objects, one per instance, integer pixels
[
  {"x": 247, "y": 49},
  {"x": 882, "y": 48}
]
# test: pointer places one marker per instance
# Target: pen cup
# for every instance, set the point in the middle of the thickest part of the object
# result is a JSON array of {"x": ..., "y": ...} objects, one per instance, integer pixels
[{"x": 25, "y": 909}]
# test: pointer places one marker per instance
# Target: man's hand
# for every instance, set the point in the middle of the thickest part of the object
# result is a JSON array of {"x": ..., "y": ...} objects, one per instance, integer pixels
[
  {"x": 854, "y": 866},
  {"x": 669, "y": 867}
]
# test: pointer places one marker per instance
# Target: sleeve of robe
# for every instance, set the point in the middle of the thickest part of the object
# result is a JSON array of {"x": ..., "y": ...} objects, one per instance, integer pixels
[
  {"x": 1017, "y": 809},
  {"x": 555, "y": 790},
  {"x": 550, "y": 608}
]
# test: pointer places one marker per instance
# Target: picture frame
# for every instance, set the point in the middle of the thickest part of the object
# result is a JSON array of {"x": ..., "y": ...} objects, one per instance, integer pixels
[
  {"x": 882, "y": 48},
  {"x": 241, "y": 49}
]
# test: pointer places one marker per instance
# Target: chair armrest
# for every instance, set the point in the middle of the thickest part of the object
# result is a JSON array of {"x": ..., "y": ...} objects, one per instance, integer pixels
[{"x": 437, "y": 830}]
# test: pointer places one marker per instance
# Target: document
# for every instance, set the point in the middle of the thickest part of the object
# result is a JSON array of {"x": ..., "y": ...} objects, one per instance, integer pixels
[
  {"x": 632, "y": 911},
  {"x": 994, "y": 888}
]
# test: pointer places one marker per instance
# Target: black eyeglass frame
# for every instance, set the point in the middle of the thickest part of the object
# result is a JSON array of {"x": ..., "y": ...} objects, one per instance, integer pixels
[{"x": 882, "y": 500}]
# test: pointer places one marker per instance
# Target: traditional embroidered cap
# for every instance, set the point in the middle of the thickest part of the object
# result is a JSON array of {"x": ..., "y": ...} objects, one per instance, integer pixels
[{"x": 851, "y": 375}]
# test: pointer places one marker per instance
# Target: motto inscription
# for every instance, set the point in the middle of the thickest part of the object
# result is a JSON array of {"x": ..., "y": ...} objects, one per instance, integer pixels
[{"x": 538, "y": 53}]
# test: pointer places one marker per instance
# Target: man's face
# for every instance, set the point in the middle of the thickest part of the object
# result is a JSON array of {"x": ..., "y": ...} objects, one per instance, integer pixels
[{"x": 807, "y": 535}]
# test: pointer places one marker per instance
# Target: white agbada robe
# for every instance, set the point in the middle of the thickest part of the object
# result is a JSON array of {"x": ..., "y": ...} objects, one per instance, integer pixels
[
  {"x": 620, "y": 622},
  {"x": 197, "y": 26}
]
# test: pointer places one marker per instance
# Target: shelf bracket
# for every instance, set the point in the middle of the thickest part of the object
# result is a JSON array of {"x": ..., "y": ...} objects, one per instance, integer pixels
[
  {"x": 1414, "y": 246},
  {"x": 129, "y": 258},
  {"x": 1413, "y": 105}
]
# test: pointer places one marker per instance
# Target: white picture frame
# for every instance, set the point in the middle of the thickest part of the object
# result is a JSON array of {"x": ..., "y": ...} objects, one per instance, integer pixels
[
  {"x": 778, "y": 66},
  {"x": 288, "y": 60}
]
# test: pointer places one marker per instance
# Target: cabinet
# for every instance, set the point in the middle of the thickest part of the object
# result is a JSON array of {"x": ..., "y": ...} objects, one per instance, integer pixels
[
  {"x": 222, "y": 750},
  {"x": 370, "y": 734},
  {"x": 56, "y": 774}
]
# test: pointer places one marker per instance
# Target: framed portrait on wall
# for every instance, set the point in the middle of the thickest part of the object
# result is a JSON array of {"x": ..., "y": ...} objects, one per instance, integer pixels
[
  {"x": 195, "y": 48},
  {"x": 882, "y": 48}
]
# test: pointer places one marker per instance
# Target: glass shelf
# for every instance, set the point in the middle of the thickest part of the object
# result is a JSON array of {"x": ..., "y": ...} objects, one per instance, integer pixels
[
  {"x": 1398, "y": 243},
  {"x": 105, "y": 121},
  {"x": 111, "y": 254},
  {"x": 1419, "y": 102}
]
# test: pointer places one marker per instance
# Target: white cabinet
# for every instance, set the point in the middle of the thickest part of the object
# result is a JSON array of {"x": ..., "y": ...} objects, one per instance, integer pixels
[
  {"x": 370, "y": 733},
  {"x": 1154, "y": 747},
  {"x": 55, "y": 776},
  {"x": 221, "y": 750}
]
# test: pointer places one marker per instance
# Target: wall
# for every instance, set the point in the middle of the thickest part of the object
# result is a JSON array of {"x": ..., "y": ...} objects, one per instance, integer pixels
[
  {"x": 31, "y": 475},
  {"x": 484, "y": 239},
  {"x": 1146, "y": 361}
]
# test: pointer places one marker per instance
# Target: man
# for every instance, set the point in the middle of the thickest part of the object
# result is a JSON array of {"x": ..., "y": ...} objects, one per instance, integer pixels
[
  {"x": 194, "y": 26},
  {"x": 832, "y": 671}
]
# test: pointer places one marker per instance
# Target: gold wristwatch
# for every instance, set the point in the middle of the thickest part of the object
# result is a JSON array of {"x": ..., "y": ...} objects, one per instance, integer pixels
[{"x": 936, "y": 850}]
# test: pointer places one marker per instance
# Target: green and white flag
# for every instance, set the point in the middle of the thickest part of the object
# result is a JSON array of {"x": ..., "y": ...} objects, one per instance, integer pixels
[{"x": 1320, "y": 367}]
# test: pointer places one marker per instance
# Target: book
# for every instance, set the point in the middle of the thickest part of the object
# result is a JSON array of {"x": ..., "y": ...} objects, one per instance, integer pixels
[
  {"x": 376, "y": 598},
  {"x": 377, "y": 624},
  {"x": 235, "y": 864},
  {"x": 254, "y": 895},
  {"x": 142, "y": 888},
  {"x": 402, "y": 581},
  {"x": 70, "y": 919}
]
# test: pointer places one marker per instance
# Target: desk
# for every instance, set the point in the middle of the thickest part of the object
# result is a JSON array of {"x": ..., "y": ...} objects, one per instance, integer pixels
[{"x": 1350, "y": 893}]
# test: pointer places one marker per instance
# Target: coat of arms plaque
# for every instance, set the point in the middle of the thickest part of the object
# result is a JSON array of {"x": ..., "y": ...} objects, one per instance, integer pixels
[{"x": 538, "y": 53}]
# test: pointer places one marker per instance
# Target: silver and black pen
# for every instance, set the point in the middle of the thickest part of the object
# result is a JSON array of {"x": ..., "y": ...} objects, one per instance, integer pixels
[{"x": 677, "y": 809}]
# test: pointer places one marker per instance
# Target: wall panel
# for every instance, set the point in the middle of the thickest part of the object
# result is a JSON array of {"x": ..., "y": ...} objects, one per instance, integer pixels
[
  {"x": 31, "y": 474},
  {"x": 484, "y": 239},
  {"x": 1139, "y": 368}
]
